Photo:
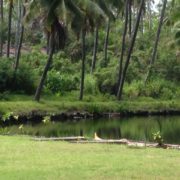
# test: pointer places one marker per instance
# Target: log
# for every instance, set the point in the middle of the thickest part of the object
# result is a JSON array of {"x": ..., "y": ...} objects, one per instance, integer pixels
[
  {"x": 130, "y": 144},
  {"x": 77, "y": 138},
  {"x": 103, "y": 141}
]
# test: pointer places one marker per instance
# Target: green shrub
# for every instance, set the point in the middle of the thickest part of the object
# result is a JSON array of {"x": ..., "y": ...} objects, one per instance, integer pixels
[
  {"x": 158, "y": 138},
  {"x": 91, "y": 86},
  {"x": 160, "y": 88},
  {"x": 59, "y": 83},
  {"x": 134, "y": 89},
  {"x": 20, "y": 81},
  {"x": 24, "y": 80},
  {"x": 157, "y": 88},
  {"x": 106, "y": 79}
]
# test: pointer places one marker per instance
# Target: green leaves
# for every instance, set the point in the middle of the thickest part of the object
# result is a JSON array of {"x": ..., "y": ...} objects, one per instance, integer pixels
[
  {"x": 176, "y": 31},
  {"x": 158, "y": 138}
]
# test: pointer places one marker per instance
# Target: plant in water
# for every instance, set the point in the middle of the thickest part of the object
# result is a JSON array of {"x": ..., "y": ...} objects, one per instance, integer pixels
[
  {"x": 46, "y": 119},
  {"x": 158, "y": 138},
  {"x": 7, "y": 116},
  {"x": 21, "y": 128}
]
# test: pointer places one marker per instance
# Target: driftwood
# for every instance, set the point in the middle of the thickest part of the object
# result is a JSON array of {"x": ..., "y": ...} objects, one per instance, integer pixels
[
  {"x": 103, "y": 141},
  {"x": 77, "y": 138},
  {"x": 130, "y": 144}
]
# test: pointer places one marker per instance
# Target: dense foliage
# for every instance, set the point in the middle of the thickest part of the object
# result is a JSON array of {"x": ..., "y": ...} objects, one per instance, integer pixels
[{"x": 64, "y": 71}]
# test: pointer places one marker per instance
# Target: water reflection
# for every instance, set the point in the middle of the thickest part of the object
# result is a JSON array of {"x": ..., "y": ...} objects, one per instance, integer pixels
[{"x": 136, "y": 128}]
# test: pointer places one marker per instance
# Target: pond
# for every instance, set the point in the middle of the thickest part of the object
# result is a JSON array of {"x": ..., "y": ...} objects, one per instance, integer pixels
[{"x": 134, "y": 128}]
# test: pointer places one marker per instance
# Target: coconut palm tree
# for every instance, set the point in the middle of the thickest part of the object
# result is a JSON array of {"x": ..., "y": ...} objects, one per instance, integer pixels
[
  {"x": 130, "y": 16},
  {"x": 114, "y": 6},
  {"x": 98, "y": 11},
  {"x": 81, "y": 14},
  {"x": 20, "y": 40},
  {"x": 108, "y": 11},
  {"x": 156, "y": 40},
  {"x": 9, "y": 27},
  {"x": 1, "y": 25},
  {"x": 57, "y": 36},
  {"x": 123, "y": 40},
  {"x": 18, "y": 25},
  {"x": 130, "y": 50},
  {"x": 96, "y": 37}
]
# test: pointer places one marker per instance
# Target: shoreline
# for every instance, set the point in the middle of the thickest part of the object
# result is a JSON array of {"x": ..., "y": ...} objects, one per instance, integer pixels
[
  {"x": 36, "y": 117},
  {"x": 19, "y": 112}
]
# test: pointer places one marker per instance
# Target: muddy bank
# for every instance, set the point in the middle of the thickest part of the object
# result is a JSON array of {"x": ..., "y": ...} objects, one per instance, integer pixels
[{"x": 35, "y": 117}]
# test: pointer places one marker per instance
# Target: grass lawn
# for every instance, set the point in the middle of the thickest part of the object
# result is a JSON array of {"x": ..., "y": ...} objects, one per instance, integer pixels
[{"x": 22, "y": 158}]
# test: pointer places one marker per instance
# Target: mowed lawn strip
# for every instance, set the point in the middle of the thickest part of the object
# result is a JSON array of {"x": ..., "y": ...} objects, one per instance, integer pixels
[{"x": 23, "y": 158}]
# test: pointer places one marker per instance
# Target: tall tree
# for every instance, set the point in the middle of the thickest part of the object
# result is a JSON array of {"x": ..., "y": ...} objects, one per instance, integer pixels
[
  {"x": 83, "y": 34},
  {"x": 18, "y": 25},
  {"x": 9, "y": 27},
  {"x": 80, "y": 10},
  {"x": 105, "y": 6},
  {"x": 156, "y": 41},
  {"x": 20, "y": 40},
  {"x": 1, "y": 25},
  {"x": 48, "y": 64},
  {"x": 89, "y": 23},
  {"x": 130, "y": 50},
  {"x": 96, "y": 37},
  {"x": 130, "y": 16},
  {"x": 149, "y": 12},
  {"x": 106, "y": 43},
  {"x": 123, "y": 41},
  {"x": 57, "y": 37}
]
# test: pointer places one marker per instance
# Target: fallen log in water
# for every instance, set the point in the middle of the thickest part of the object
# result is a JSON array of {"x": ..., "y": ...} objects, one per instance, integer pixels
[
  {"x": 103, "y": 141},
  {"x": 77, "y": 138},
  {"x": 130, "y": 144}
]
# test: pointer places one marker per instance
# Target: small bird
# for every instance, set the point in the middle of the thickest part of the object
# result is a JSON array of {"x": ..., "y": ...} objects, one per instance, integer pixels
[{"x": 96, "y": 137}]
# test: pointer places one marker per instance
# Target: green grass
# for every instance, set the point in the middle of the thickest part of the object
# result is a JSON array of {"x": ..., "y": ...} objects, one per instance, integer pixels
[
  {"x": 23, "y": 158},
  {"x": 21, "y": 104}
]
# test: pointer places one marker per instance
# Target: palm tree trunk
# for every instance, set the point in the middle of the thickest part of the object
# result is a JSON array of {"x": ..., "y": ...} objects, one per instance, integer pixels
[
  {"x": 133, "y": 39},
  {"x": 18, "y": 29},
  {"x": 149, "y": 14},
  {"x": 106, "y": 43},
  {"x": 123, "y": 44},
  {"x": 95, "y": 49},
  {"x": 156, "y": 41},
  {"x": 20, "y": 43},
  {"x": 142, "y": 24},
  {"x": 47, "y": 45},
  {"x": 48, "y": 64},
  {"x": 130, "y": 17},
  {"x": 9, "y": 27},
  {"x": 19, "y": 48},
  {"x": 1, "y": 25},
  {"x": 83, "y": 34}
]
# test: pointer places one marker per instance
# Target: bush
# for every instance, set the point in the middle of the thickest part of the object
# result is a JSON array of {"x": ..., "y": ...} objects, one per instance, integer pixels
[
  {"x": 20, "y": 81},
  {"x": 91, "y": 86},
  {"x": 106, "y": 80},
  {"x": 59, "y": 83},
  {"x": 160, "y": 88},
  {"x": 157, "y": 88},
  {"x": 134, "y": 89}
]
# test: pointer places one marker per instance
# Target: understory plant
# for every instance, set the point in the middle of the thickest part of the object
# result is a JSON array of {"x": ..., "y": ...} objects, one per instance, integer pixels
[{"x": 158, "y": 138}]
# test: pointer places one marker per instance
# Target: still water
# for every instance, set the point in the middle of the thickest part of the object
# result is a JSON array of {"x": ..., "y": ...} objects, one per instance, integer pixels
[{"x": 134, "y": 128}]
